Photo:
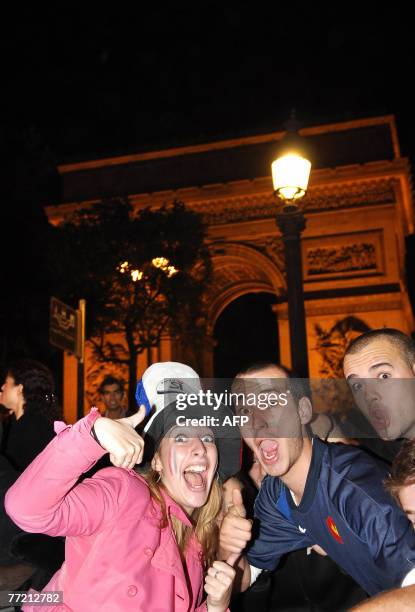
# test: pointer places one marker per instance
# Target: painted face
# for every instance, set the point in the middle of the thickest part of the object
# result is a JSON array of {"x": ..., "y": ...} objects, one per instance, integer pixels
[
  {"x": 12, "y": 396},
  {"x": 407, "y": 500},
  {"x": 274, "y": 433},
  {"x": 112, "y": 396},
  {"x": 187, "y": 459},
  {"x": 383, "y": 386}
]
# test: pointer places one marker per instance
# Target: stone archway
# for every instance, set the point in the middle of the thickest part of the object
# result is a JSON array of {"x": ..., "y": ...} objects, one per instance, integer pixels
[{"x": 239, "y": 269}]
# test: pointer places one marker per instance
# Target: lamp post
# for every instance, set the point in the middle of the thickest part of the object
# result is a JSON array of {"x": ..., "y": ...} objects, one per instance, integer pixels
[{"x": 290, "y": 174}]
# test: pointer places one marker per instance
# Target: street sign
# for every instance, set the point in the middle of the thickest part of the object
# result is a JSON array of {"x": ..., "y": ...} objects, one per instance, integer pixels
[
  {"x": 67, "y": 332},
  {"x": 63, "y": 328}
]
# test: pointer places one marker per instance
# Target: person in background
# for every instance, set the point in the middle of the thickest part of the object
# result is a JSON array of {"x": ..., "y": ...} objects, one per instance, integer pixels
[
  {"x": 111, "y": 391},
  {"x": 401, "y": 481},
  {"x": 28, "y": 394}
]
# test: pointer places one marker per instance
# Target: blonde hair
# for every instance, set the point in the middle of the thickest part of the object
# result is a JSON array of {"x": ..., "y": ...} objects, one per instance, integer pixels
[{"x": 204, "y": 520}]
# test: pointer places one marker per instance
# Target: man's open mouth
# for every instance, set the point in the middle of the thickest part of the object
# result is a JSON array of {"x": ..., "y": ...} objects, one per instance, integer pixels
[
  {"x": 268, "y": 450},
  {"x": 379, "y": 419}
]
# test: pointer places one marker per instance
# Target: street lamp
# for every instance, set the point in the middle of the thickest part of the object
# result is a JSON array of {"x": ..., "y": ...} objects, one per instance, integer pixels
[{"x": 290, "y": 174}]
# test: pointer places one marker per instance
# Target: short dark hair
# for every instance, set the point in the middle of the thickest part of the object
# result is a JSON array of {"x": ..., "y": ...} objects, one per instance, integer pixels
[
  {"x": 111, "y": 380},
  {"x": 403, "y": 469},
  {"x": 401, "y": 341},
  {"x": 299, "y": 388},
  {"x": 256, "y": 366}
]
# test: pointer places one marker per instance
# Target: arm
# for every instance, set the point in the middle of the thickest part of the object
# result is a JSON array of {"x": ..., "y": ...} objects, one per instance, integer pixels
[
  {"x": 388, "y": 533},
  {"x": 44, "y": 498},
  {"x": 398, "y": 600},
  {"x": 277, "y": 533}
]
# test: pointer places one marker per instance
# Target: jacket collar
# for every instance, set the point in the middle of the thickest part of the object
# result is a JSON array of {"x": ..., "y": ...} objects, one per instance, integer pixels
[{"x": 174, "y": 509}]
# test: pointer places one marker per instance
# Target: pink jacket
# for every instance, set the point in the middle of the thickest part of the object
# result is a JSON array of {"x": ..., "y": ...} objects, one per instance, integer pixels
[{"x": 117, "y": 558}]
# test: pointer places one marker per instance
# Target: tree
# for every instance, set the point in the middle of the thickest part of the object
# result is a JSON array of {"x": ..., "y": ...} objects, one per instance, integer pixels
[{"x": 142, "y": 275}]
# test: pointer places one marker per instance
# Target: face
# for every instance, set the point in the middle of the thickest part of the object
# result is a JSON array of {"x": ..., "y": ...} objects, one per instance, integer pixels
[
  {"x": 406, "y": 497},
  {"x": 187, "y": 460},
  {"x": 275, "y": 433},
  {"x": 12, "y": 396},
  {"x": 383, "y": 386},
  {"x": 112, "y": 396}
]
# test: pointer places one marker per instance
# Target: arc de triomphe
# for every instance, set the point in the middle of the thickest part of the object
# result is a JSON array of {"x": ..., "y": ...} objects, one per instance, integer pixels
[{"x": 358, "y": 208}]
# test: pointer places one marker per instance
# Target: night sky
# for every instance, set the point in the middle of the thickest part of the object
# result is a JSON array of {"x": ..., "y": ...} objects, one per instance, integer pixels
[
  {"x": 94, "y": 81},
  {"x": 89, "y": 81}
]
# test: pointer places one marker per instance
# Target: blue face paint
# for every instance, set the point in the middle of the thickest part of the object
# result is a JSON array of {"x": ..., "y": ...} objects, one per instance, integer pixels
[{"x": 141, "y": 397}]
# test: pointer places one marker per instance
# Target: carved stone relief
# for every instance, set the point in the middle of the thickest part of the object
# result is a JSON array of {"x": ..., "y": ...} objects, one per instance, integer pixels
[
  {"x": 343, "y": 255},
  {"x": 356, "y": 256}
]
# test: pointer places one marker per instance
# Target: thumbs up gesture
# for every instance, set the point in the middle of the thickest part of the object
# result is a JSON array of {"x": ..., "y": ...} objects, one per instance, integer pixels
[
  {"x": 235, "y": 530},
  {"x": 120, "y": 439}
]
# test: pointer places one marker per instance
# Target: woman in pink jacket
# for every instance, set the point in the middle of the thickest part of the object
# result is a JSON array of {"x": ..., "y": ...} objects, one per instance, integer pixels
[{"x": 133, "y": 542}]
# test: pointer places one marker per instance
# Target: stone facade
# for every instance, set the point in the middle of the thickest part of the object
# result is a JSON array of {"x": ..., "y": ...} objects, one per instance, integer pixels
[{"x": 358, "y": 211}]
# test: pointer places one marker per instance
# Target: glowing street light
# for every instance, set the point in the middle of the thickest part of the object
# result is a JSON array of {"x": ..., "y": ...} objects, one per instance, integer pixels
[
  {"x": 290, "y": 174},
  {"x": 162, "y": 263}
]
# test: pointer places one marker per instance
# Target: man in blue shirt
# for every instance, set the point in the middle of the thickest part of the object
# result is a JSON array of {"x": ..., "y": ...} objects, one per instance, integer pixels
[{"x": 315, "y": 494}]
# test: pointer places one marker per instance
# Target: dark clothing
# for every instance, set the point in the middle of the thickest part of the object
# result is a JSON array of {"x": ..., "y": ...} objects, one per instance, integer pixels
[
  {"x": 25, "y": 438},
  {"x": 345, "y": 510},
  {"x": 8, "y": 529},
  {"x": 311, "y": 582},
  {"x": 302, "y": 583},
  {"x": 22, "y": 441}
]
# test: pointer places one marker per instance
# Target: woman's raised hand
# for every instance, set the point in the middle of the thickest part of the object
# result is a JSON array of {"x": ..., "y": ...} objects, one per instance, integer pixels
[
  {"x": 120, "y": 439},
  {"x": 219, "y": 583}
]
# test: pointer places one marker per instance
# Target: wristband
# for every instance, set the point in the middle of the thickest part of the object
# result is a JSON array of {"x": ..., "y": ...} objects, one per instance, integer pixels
[{"x": 94, "y": 435}]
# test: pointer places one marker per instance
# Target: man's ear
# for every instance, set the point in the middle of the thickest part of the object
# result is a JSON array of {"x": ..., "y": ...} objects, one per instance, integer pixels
[
  {"x": 305, "y": 410},
  {"x": 156, "y": 463},
  {"x": 413, "y": 368}
]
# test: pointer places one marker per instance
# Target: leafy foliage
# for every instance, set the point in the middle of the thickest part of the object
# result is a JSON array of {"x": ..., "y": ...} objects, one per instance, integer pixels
[{"x": 101, "y": 249}]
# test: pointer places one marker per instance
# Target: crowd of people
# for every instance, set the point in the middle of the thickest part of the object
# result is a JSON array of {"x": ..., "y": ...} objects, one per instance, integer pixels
[{"x": 250, "y": 507}]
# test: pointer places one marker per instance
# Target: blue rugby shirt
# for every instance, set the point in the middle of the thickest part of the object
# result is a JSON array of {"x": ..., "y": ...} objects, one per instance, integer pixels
[{"x": 346, "y": 510}]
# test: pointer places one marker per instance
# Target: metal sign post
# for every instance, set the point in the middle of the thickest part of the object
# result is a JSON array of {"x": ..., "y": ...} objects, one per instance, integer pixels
[
  {"x": 81, "y": 357},
  {"x": 67, "y": 332}
]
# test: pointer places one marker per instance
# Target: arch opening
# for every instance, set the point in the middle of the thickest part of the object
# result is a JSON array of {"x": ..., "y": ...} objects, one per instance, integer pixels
[{"x": 245, "y": 331}]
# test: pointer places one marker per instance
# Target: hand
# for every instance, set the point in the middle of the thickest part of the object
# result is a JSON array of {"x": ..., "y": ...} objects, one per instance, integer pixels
[
  {"x": 120, "y": 439},
  {"x": 235, "y": 531},
  {"x": 218, "y": 584}
]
